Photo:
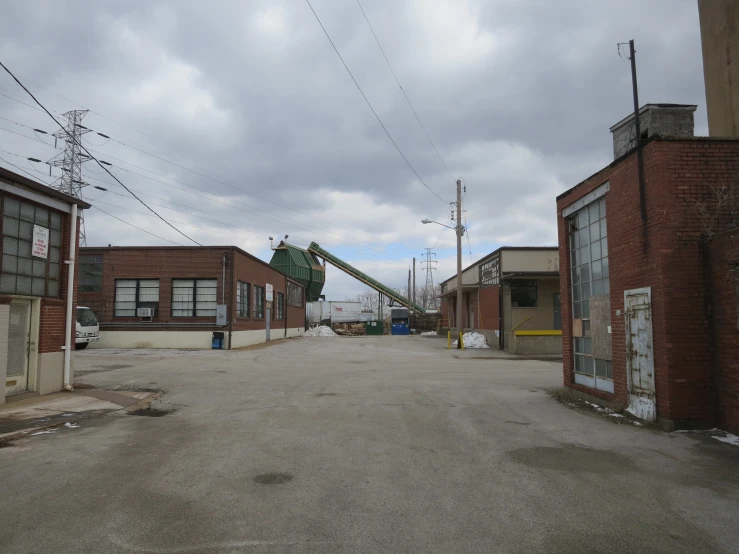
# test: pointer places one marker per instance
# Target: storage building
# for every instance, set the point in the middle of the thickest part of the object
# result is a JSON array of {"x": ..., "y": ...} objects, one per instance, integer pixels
[{"x": 187, "y": 297}]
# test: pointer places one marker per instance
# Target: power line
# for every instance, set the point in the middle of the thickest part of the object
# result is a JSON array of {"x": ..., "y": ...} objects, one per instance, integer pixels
[
  {"x": 271, "y": 231},
  {"x": 162, "y": 158},
  {"x": 23, "y": 170},
  {"x": 91, "y": 156},
  {"x": 370, "y": 105},
  {"x": 403, "y": 91},
  {"x": 136, "y": 227}
]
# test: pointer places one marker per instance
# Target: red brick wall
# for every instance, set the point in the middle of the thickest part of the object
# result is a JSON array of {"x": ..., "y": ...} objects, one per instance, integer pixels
[
  {"x": 257, "y": 273},
  {"x": 52, "y": 322},
  {"x": 490, "y": 308},
  {"x": 665, "y": 255},
  {"x": 723, "y": 263},
  {"x": 167, "y": 264}
]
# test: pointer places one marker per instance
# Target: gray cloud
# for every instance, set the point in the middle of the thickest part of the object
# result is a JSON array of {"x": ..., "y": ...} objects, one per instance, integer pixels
[{"x": 518, "y": 98}]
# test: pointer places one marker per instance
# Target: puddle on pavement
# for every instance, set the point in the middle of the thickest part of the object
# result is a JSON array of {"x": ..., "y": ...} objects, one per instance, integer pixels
[
  {"x": 320, "y": 394},
  {"x": 573, "y": 458},
  {"x": 150, "y": 412},
  {"x": 273, "y": 478}
]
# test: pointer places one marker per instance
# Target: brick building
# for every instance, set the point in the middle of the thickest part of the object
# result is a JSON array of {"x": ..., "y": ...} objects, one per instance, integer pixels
[
  {"x": 512, "y": 297},
  {"x": 36, "y": 228},
  {"x": 184, "y": 297},
  {"x": 638, "y": 279}
]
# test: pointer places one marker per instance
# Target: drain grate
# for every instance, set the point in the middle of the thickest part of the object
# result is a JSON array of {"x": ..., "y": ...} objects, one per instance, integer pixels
[{"x": 273, "y": 478}]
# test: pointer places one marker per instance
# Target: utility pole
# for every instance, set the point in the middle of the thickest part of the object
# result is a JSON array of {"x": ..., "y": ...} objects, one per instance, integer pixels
[
  {"x": 637, "y": 128},
  {"x": 71, "y": 160},
  {"x": 414, "y": 281},
  {"x": 460, "y": 231},
  {"x": 409, "y": 289}
]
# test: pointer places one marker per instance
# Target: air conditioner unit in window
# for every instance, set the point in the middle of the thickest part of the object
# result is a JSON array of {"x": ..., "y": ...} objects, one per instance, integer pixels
[{"x": 145, "y": 312}]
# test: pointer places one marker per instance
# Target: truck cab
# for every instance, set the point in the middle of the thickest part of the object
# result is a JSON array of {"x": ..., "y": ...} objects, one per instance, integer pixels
[{"x": 88, "y": 329}]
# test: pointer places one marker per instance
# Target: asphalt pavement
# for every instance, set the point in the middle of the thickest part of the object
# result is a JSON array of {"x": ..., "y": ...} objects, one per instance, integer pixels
[{"x": 375, "y": 444}]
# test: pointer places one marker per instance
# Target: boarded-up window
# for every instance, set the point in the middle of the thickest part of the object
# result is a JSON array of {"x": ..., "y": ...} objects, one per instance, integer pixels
[{"x": 294, "y": 295}]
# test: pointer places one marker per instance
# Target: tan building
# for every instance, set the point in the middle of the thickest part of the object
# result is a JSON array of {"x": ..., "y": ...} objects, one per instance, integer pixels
[
  {"x": 719, "y": 21},
  {"x": 512, "y": 297}
]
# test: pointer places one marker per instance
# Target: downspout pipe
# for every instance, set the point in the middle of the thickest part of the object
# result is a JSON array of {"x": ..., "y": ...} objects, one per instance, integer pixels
[{"x": 73, "y": 238}]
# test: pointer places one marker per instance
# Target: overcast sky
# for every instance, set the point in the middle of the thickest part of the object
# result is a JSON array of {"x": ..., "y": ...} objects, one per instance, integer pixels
[{"x": 269, "y": 136}]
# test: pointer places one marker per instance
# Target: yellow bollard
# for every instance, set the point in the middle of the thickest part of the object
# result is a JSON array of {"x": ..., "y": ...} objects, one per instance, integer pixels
[
  {"x": 461, "y": 341},
  {"x": 449, "y": 339}
]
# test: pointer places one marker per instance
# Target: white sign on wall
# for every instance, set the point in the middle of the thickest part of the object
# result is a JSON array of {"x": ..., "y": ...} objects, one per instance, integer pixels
[
  {"x": 270, "y": 292},
  {"x": 40, "y": 247}
]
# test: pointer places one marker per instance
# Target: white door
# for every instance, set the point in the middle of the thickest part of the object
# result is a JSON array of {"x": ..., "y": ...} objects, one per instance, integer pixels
[
  {"x": 19, "y": 342},
  {"x": 640, "y": 353}
]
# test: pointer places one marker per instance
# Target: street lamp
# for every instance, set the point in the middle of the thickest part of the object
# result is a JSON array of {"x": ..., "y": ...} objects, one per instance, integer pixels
[{"x": 459, "y": 229}]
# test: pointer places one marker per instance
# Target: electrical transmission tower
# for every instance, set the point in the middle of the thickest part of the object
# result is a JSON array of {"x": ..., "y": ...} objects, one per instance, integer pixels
[
  {"x": 430, "y": 263},
  {"x": 71, "y": 160}
]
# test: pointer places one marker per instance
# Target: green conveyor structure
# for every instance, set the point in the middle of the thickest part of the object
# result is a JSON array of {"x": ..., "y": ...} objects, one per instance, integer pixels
[
  {"x": 316, "y": 250},
  {"x": 302, "y": 266}
]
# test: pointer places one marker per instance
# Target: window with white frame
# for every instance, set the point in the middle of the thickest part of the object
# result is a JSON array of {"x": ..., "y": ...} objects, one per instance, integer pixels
[
  {"x": 588, "y": 244},
  {"x": 242, "y": 299},
  {"x": 194, "y": 297},
  {"x": 131, "y": 294}
]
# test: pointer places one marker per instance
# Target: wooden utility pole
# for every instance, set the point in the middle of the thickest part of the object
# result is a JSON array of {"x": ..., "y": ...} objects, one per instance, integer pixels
[
  {"x": 460, "y": 230},
  {"x": 414, "y": 281}
]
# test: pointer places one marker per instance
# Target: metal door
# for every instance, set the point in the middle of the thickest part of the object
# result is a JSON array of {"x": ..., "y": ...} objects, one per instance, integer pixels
[
  {"x": 267, "y": 320},
  {"x": 640, "y": 353},
  {"x": 19, "y": 343},
  {"x": 557, "y": 311}
]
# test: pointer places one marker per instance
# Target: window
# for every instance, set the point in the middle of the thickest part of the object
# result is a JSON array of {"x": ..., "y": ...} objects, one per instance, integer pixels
[
  {"x": 258, "y": 301},
  {"x": 588, "y": 257},
  {"x": 90, "y": 270},
  {"x": 280, "y": 306},
  {"x": 21, "y": 272},
  {"x": 131, "y": 294},
  {"x": 242, "y": 299},
  {"x": 590, "y": 277},
  {"x": 523, "y": 293},
  {"x": 294, "y": 295},
  {"x": 194, "y": 297},
  {"x": 490, "y": 272}
]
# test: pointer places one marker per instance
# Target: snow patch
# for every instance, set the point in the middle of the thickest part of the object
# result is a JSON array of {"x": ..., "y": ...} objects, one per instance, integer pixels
[
  {"x": 320, "y": 331},
  {"x": 429, "y": 333},
  {"x": 47, "y": 432},
  {"x": 71, "y": 425},
  {"x": 728, "y": 438},
  {"x": 615, "y": 415},
  {"x": 473, "y": 340}
]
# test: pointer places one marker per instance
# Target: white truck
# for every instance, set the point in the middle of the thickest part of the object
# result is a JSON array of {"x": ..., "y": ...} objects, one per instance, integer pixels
[{"x": 88, "y": 328}]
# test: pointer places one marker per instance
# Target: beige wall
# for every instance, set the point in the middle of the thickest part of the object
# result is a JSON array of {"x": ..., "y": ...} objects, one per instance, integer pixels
[
  {"x": 719, "y": 23},
  {"x": 540, "y": 318},
  {"x": 529, "y": 260},
  {"x": 156, "y": 339},
  {"x": 50, "y": 372}
]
